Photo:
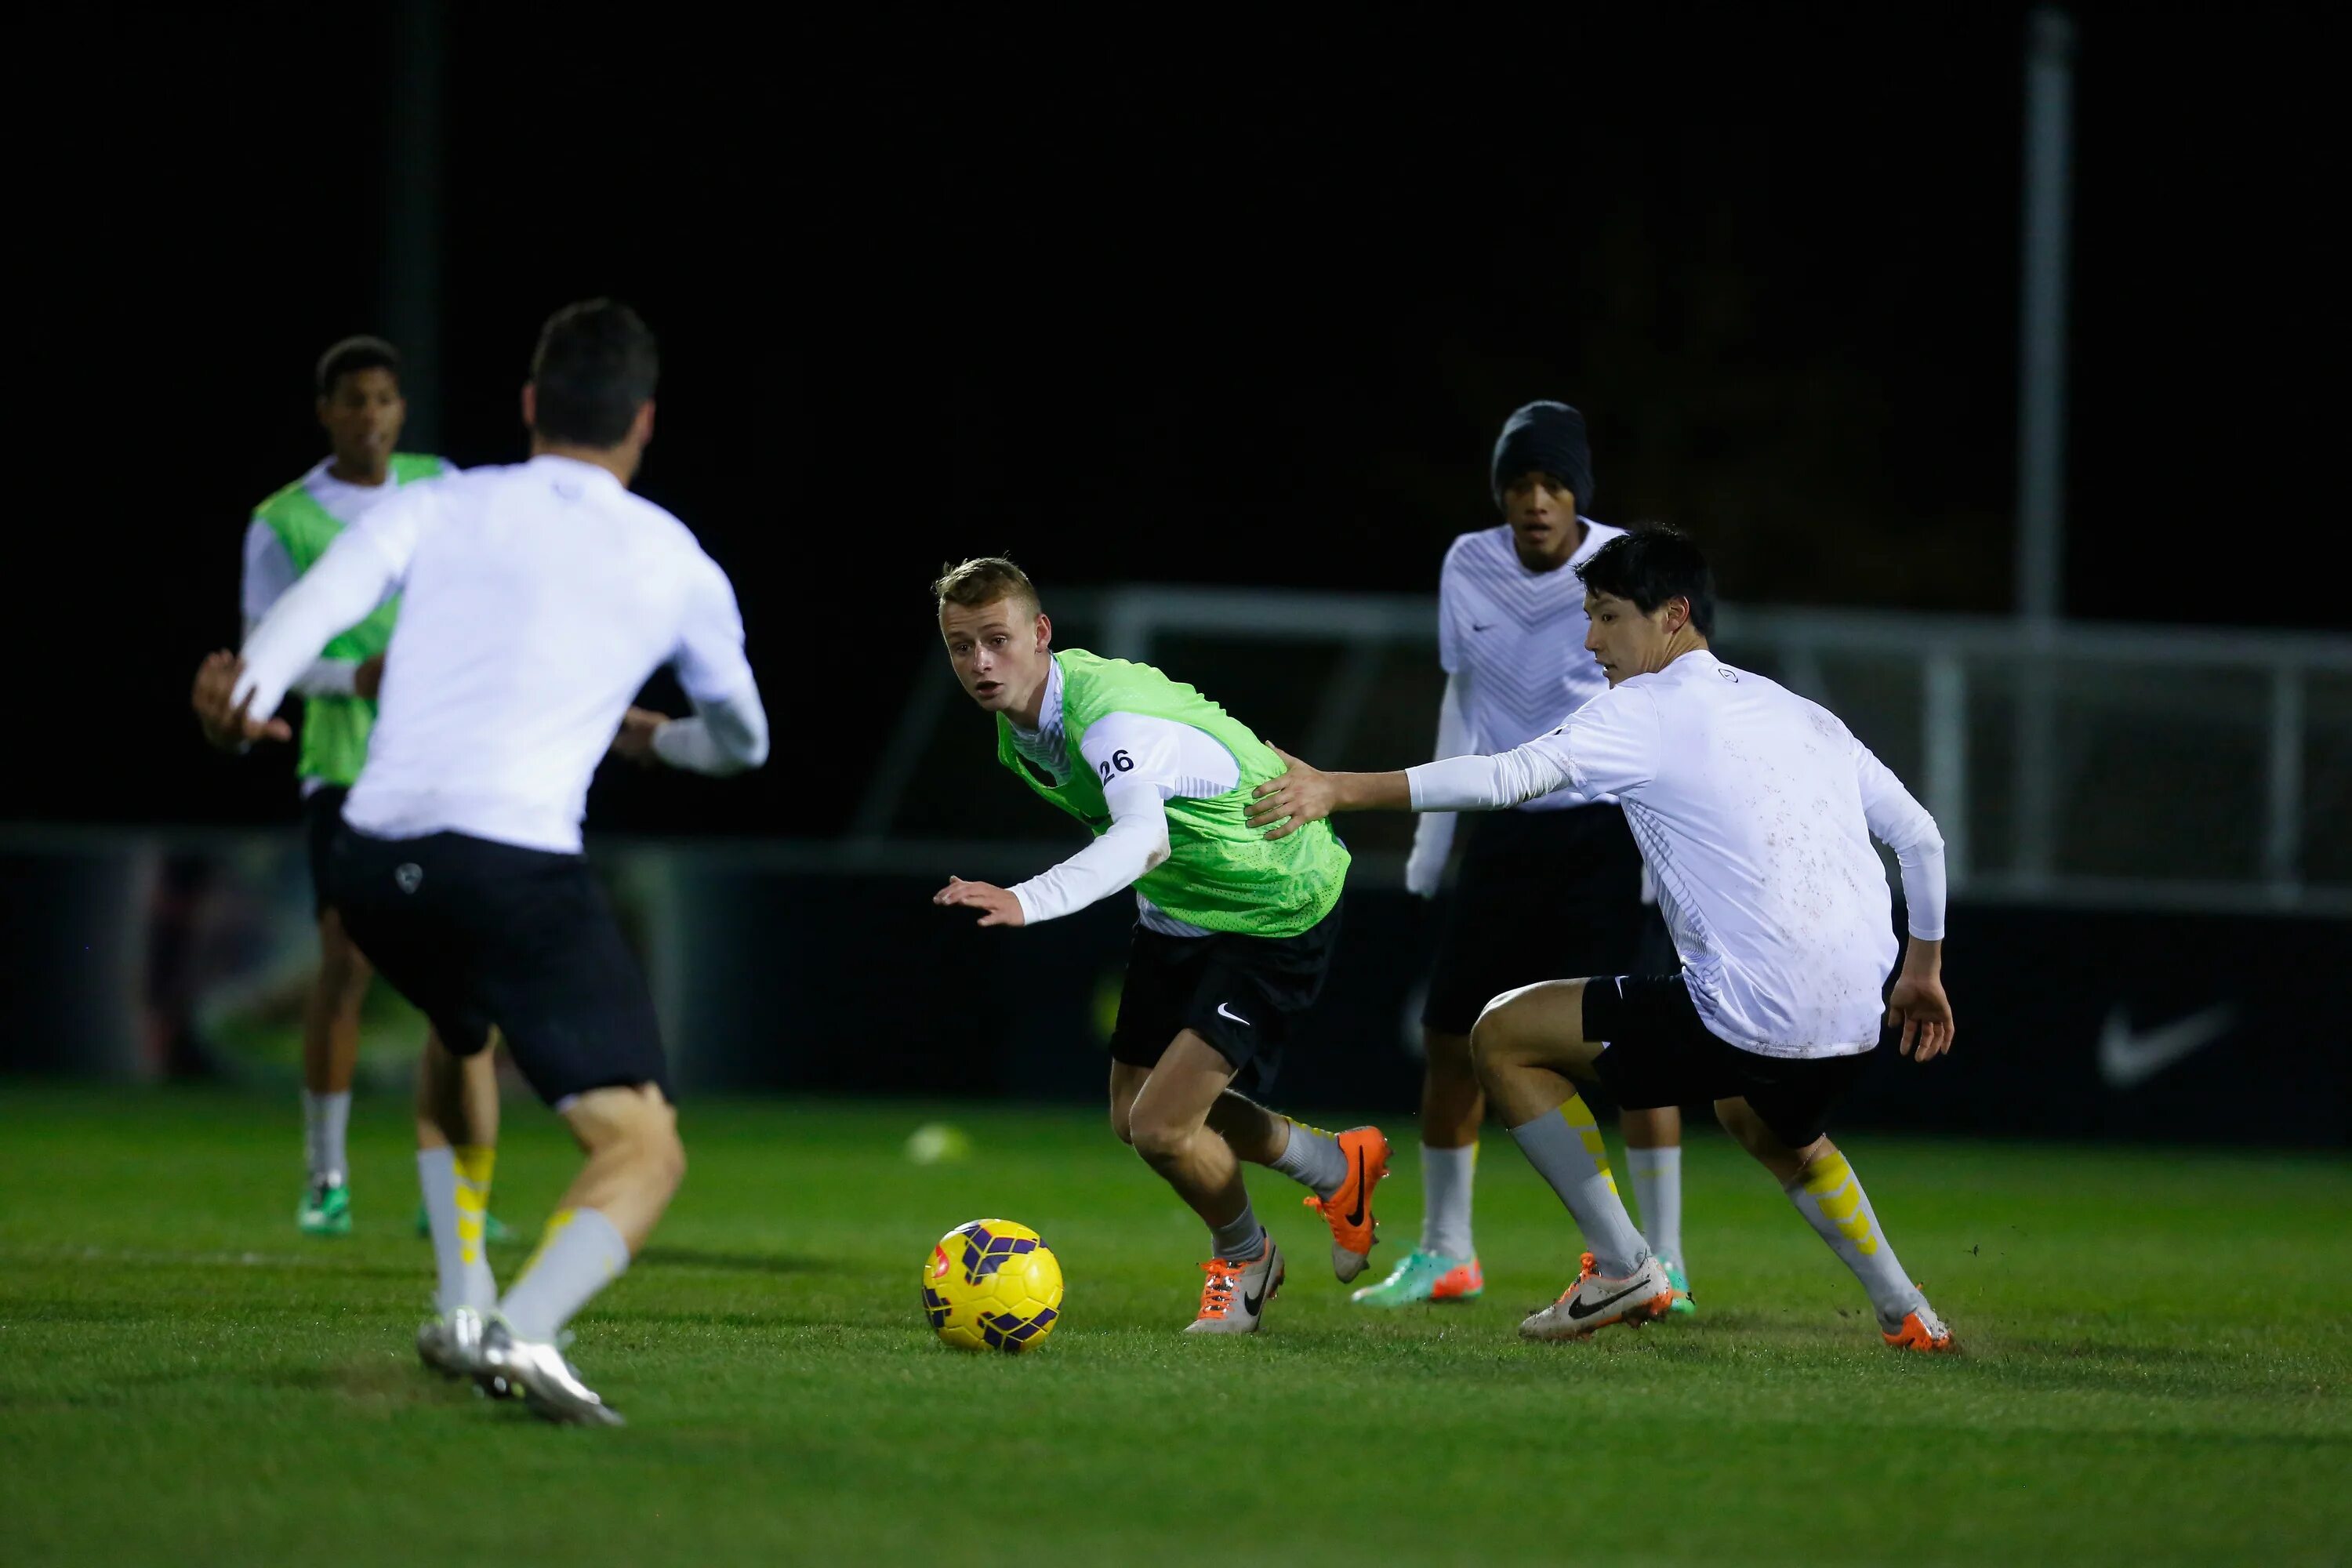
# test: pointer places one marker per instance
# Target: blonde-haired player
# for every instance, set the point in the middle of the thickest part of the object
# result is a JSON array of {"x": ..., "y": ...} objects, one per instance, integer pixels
[{"x": 1234, "y": 935}]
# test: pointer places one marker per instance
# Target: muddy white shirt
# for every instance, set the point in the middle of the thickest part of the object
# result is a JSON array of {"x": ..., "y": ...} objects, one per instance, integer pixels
[
  {"x": 1754, "y": 809},
  {"x": 538, "y": 599},
  {"x": 1165, "y": 761}
]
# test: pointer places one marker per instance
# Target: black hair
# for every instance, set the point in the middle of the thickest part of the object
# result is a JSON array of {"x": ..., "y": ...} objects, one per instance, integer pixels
[
  {"x": 355, "y": 355},
  {"x": 595, "y": 366},
  {"x": 1650, "y": 565}
]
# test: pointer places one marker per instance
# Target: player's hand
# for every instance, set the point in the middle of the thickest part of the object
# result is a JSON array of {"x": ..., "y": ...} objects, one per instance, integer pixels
[
  {"x": 635, "y": 740},
  {"x": 1919, "y": 1005},
  {"x": 1284, "y": 805},
  {"x": 368, "y": 679},
  {"x": 996, "y": 906},
  {"x": 225, "y": 723}
]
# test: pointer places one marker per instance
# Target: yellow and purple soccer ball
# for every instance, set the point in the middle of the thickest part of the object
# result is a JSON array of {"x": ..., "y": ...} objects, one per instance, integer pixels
[{"x": 993, "y": 1285}]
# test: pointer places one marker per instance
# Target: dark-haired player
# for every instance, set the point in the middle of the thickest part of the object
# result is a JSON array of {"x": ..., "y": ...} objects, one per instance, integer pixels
[
  {"x": 537, "y": 599},
  {"x": 1234, "y": 936},
  {"x": 1755, "y": 809},
  {"x": 362, "y": 410},
  {"x": 1549, "y": 888}
]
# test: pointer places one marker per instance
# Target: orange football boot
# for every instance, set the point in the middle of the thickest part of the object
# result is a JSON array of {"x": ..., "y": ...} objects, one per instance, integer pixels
[{"x": 1348, "y": 1211}]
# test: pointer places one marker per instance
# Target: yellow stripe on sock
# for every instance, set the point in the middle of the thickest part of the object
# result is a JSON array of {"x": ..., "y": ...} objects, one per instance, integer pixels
[
  {"x": 475, "y": 1163},
  {"x": 1827, "y": 1175},
  {"x": 1578, "y": 1116},
  {"x": 1833, "y": 1186}
]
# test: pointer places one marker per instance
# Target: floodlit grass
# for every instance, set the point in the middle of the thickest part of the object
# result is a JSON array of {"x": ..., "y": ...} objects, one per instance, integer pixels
[{"x": 2157, "y": 1364}]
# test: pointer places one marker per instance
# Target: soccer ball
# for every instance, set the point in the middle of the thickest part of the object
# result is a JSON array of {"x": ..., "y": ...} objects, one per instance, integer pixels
[{"x": 993, "y": 1285}]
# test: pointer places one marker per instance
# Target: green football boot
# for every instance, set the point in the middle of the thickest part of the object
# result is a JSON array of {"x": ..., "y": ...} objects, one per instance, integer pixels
[
  {"x": 493, "y": 1227},
  {"x": 1683, "y": 1306},
  {"x": 1425, "y": 1277},
  {"x": 326, "y": 1210}
]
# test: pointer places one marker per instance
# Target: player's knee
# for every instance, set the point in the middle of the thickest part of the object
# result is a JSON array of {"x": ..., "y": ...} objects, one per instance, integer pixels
[
  {"x": 1157, "y": 1142},
  {"x": 1495, "y": 1039},
  {"x": 656, "y": 1147},
  {"x": 1122, "y": 1125}
]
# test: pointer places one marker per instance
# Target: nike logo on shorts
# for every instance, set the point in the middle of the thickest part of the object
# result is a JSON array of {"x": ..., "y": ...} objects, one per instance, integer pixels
[{"x": 1225, "y": 1012}]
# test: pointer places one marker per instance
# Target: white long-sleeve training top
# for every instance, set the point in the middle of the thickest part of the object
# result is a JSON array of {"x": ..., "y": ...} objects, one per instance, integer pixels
[
  {"x": 1163, "y": 760},
  {"x": 537, "y": 600},
  {"x": 1754, "y": 809}
]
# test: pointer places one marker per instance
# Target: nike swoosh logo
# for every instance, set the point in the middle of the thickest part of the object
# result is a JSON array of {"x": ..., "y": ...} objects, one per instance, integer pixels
[
  {"x": 2127, "y": 1059},
  {"x": 1476, "y": 627},
  {"x": 1356, "y": 1217},
  {"x": 1225, "y": 1012},
  {"x": 1252, "y": 1304},
  {"x": 1579, "y": 1311}
]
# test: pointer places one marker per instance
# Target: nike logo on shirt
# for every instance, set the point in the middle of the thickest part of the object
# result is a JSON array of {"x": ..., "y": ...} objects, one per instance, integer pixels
[{"x": 1225, "y": 1012}]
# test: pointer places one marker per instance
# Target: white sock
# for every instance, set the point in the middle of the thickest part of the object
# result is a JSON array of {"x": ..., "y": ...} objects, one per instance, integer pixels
[
  {"x": 437, "y": 1174},
  {"x": 1830, "y": 1195},
  {"x": 1239, "y": 1238},
  {"x": 1312, "y": 1158},
  {"x": 1658, "y": 1195},
  {"x": 1445, "y": 1178},
  {"x": 324, "y": 1119},
  {"x": 1565, "y": 1148},
  {"x": 581, "y": 1253}
]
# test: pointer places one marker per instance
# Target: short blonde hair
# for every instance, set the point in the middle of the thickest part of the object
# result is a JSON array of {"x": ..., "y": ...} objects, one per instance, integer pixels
[{"x": 984, "y": 580}]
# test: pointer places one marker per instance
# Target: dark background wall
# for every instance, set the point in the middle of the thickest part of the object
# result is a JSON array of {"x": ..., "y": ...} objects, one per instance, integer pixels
[{"x": 1234, "y": 307}]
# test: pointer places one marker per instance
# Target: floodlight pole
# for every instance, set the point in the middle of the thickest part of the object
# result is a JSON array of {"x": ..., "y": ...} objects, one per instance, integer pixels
[
  {"x": 2042, "y": 420},
  {"x": 410, "y": 304}
]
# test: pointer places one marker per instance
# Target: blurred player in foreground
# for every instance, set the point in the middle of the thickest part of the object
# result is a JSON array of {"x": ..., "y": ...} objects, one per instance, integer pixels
[
  {"x": 361, "y": 409},
  {"x": 1755, "y": 808},
  {"x": 1234, "y": 936},
  {"x": 539, "y": 598},
  {"x": 1551, "y": 888}
]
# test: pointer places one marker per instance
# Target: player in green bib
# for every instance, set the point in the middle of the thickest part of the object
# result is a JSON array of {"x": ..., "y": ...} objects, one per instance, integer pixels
[
  {"x": 1234, "y": 933},
  {"x": 361, "y": 409}
]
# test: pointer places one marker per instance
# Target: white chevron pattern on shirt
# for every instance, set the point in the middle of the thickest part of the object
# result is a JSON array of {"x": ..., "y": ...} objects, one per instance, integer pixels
[{"x": 1517, "y": 638}]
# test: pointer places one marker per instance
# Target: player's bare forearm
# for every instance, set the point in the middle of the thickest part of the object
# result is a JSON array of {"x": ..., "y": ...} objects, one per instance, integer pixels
[{"x": 1922, "y": 959}]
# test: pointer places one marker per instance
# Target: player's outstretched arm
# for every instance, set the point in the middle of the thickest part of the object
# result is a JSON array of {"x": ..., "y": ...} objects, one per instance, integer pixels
[
  {"x": 1304, "y": 793},
  {"x": 1284, "y": 805}
]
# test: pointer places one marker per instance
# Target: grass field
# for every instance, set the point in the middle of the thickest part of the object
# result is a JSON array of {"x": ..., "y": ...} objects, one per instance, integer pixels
[{"x": 2158, "y": 1367}]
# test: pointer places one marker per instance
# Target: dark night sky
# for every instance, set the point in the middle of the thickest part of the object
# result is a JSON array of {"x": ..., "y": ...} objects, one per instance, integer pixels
[{"x": 1223, "y": 309}]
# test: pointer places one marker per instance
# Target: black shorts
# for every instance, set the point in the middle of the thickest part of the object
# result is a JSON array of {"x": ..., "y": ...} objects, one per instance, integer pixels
[
  {"x": 1659, "y": 1054},
  {"x": 1243, "y": 995},
  {"x": 322, "y": 817},
  {"x": 1653, "y": 950},
  {"x": 475, "y": 933},
  {"x": 1543, "y": 895}
]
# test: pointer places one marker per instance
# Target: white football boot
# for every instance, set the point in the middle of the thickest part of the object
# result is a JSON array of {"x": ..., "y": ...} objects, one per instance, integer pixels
[
  {"x": 1235, "y": 1299},
  {"x": 1595, "y": 1303},
  {"x": 549, "y": 1385},
  {"x": 451, "y": 1345}
]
